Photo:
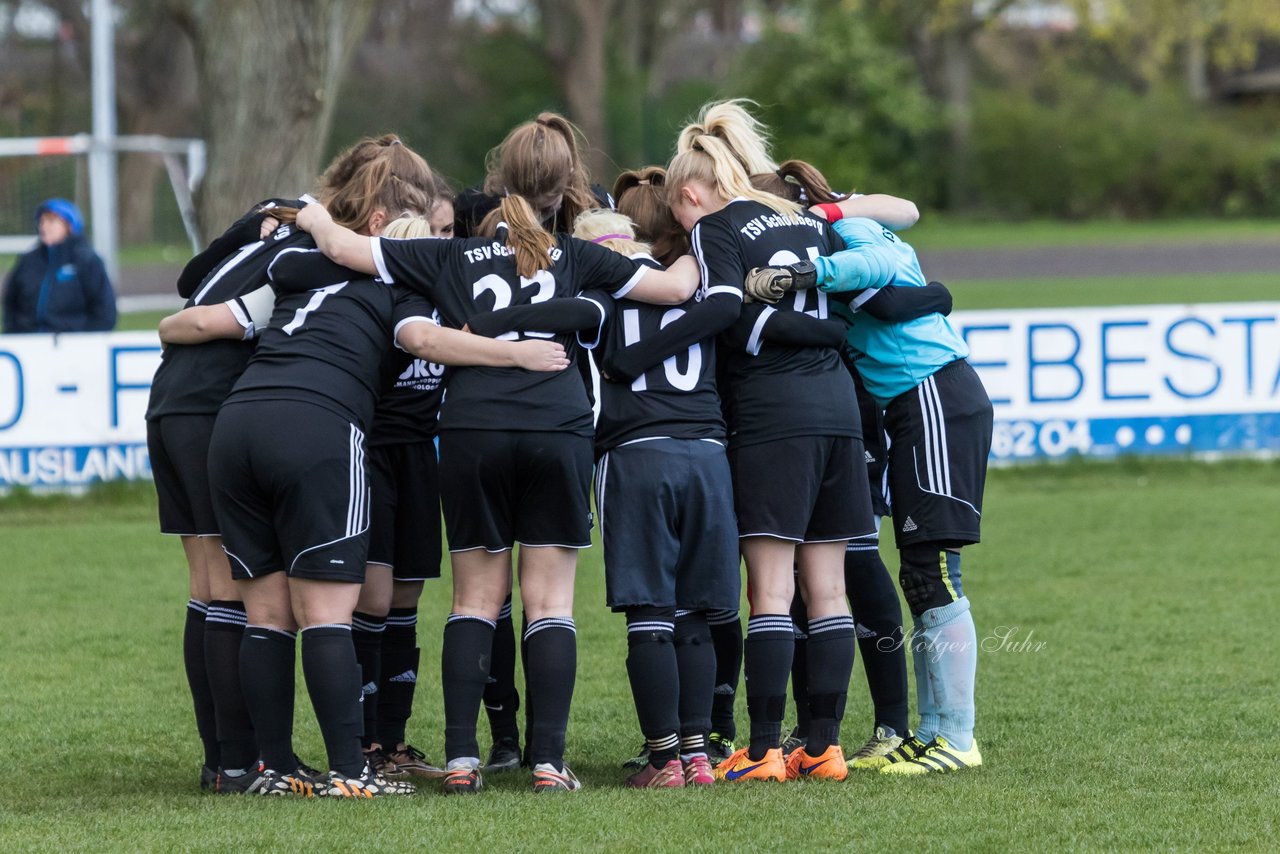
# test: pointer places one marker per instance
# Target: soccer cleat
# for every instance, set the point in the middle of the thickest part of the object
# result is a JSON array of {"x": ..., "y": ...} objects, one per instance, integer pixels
[
  {"x": 719, "y": 748},
  {"x": 225, "y": 783},
  {"x": 829, "y": 766},
  {"x": 381, "y": 762},
  {"x": 463, "y": 778},
  {"x": 698, "y": 772},
  {"x": 546, "y": 778},
  {"x": 314, "y": 774},
  {"x": 369, "y": 784},
  {"x": 909, "y": 749},
  {"x": 793, "y": 742},
  {"x": 669, "y": 776},
  {"x": 741, "y": 767},
  {"x": 208, "y": 779},
  {"x": 411, "y": 760},
  {"x": 875, "y": 753},
  {"x": 938, "y": 757},
  {"x": 640, "y": 760},
  {"x": 503, "y": 756},
  {"x": 277, "y": 784}
]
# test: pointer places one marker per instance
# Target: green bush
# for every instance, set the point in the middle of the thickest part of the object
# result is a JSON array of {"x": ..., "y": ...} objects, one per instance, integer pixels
[
  {"x": 1091, "y": 149},
  {"x": 837, "y": 96}
]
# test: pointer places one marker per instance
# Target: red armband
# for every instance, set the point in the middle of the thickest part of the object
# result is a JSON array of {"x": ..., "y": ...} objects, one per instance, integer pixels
[{"x": 831, "y": 211}]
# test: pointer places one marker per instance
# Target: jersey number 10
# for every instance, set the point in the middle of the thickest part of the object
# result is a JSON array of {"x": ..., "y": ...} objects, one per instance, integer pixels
[{"x": 680, "y": 380}]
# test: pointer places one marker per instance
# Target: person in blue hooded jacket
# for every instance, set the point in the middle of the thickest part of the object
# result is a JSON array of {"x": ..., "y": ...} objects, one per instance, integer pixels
[{"x": 61, "y": 285}]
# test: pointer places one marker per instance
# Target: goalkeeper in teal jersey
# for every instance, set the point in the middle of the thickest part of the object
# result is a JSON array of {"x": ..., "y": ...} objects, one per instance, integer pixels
[{"x": 939, "y": 420}]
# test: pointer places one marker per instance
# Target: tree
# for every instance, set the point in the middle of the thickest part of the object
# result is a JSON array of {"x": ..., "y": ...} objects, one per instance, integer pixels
[
  {"x": 941, "y": 35},
  {"x": 1155, "y": 34},
  {"x": 268, "y": 75}
]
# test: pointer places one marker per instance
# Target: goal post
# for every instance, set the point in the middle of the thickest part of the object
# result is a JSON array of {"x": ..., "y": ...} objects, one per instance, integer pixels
[{"x": 61, "y": 169}]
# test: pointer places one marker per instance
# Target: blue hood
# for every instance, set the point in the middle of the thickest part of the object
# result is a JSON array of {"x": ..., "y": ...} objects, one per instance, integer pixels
[{"x": 65, "y": 209}]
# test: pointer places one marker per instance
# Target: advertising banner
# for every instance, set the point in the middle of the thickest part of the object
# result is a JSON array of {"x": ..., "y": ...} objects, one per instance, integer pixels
[{"x": 1155, "y": 379}]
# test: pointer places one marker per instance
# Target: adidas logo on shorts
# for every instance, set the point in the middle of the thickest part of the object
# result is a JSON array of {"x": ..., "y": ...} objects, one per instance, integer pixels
[
  {"x": 908, "y": 526},
  {"x": 863, "y": 632},
  {"x": 368, "y": 688},
  {"x": 870, "y": 456},
  {"x": 408, "y": 676}
]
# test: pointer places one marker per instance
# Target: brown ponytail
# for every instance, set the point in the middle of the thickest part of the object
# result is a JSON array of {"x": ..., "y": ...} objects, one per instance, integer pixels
[
  {"x": 798, "y": 181},
  {"x": 531, "y": 242},
  {"x": 379, "y": 173},
  {"x": 642, "y": 196},
  {"x": 541, "y": 159}
]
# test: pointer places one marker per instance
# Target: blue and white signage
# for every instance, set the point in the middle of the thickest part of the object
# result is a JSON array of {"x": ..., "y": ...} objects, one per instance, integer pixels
[
  {"x": 1154, "y": 379},
  {"x": 71, "y": 407}
]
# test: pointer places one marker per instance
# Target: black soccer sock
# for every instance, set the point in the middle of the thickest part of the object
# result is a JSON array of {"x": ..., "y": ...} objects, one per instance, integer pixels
[
  {"x": 198, "y": 680},
  {"x": 696, "y": 662},
  {"x": 501, "y": 699},
  {"x": 333, "y": 681},
  {"x": 223, "y": 637},
  {"x": 366, "y": 636},
  {"x": 726, "y": 639},
  {"x": 399, "y": 678},
  {"x": 464, "y": 667},
  {"x": 800, "y": 665},
  {"x": 767, "y": 664},
  {"x": 652, "y": 669},
  {"x": 873, "y": 597},
  {"x": 266, "y": 672},
  {"x": 551, "y": 668},
  {"x": 831, "y": 646}
]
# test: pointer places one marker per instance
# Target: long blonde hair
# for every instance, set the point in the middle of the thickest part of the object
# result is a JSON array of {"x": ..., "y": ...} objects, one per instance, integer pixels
[
  {"x": 722, "y": 149},
  {"x": 619, "y": 231},
  {"x": 525, "y": 235}
]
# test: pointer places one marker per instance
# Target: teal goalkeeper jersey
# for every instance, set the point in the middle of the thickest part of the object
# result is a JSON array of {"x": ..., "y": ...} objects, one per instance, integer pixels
[{"x": 891, "y": 358}]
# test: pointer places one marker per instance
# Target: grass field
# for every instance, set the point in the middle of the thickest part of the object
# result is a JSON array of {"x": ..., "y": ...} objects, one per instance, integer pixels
[{"x": 1132, "y": 706}]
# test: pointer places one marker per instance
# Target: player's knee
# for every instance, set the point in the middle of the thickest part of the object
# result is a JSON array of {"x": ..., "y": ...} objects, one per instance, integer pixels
[
  {"x": 649, "y": 624},
  {"x": 930, "y": 577},
  {"x": 692, "y": 629}
]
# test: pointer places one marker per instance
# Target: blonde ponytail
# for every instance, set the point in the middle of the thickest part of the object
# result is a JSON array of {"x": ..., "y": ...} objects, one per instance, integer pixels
[
  {"x": 745, "y": 136},
  {"x": 710, "y": 161},
  {"x": 531, "y": 242}
]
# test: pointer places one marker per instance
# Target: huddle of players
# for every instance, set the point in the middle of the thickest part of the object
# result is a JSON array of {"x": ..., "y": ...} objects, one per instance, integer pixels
[{"x": 516, "y": 456}]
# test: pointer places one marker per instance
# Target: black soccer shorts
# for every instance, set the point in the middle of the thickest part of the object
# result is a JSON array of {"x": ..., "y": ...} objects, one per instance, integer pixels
[
  {"x": 178, "y": 446},
  {"x": 807, "y": 489},
  {"x": 404, "y": 526},
  {"x": 289, "y": 488},
  {"x": 666, "y": 519},
  {"x": 940, "y": 437},
  {"x": 500, "y": 488}
]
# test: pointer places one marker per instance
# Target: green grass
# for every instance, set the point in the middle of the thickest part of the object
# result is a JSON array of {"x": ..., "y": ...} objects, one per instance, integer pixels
[
  {"x": 1146, "y": 719},
  {"x": 140, "y": 320},
  {"x": 939, "y": 231},
  {"x": 1118, "y": 290}
]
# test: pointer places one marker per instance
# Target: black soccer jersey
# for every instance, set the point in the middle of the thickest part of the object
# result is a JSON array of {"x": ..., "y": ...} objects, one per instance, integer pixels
[
  {"x": 194, "y": 379},
  {"x": 325, "y": 345},
  {"x": 412, "y": 389},
  {"x": 676, "y": 399},
  {"x": 775, "y": 391},
  {"x": 465, "y": 277}
]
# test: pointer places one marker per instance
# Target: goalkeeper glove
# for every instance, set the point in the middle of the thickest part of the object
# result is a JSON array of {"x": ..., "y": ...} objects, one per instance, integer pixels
[{"x": 768, "y": 284}]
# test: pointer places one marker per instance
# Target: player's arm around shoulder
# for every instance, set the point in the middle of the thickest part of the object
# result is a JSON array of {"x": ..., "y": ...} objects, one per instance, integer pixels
[{"x": 242, "y": 318}]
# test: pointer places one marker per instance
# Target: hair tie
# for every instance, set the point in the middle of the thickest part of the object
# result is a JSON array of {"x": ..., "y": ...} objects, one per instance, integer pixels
[
  {"x": 396, "y": 141},
  {"x": 643, "y": 182},
  {"x": 602, "y": 238}
]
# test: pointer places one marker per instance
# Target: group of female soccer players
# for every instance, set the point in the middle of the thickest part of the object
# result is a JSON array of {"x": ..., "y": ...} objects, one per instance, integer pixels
[{"x": 295, "y": 420}]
